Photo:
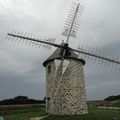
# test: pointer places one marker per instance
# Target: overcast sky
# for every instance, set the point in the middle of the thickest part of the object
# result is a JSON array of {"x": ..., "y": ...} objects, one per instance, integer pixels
[{"x": 21, "y": 70}]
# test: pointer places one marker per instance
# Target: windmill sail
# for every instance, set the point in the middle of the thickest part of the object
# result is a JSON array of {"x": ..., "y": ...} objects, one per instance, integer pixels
[
  {"x": 31, "y": 39},
  {"x": 108, "y": 60},
  {"x": 73, "y": 21}
]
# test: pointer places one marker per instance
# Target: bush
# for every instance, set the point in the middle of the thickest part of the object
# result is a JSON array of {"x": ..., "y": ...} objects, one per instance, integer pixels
[
  {"x": 111, "y": 98},
  {"x": 20, "y": 100}
]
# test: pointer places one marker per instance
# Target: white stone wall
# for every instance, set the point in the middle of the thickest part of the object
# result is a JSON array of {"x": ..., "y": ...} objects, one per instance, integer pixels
[{"x": 66, "y": 90}]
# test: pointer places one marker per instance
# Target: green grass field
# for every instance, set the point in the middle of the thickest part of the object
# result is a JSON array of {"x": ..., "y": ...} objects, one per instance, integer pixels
[
  {"x": 26, "y": 112},
  {"x": 22, "y": 112},
  {"x": 94, "y": 114}
]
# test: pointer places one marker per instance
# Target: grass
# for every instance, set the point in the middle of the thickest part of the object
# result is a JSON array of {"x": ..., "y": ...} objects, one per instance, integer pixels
[
  {"x": 26, "y": 112},
  {"x": 22, "y": 113},
  {"x": 115, "y": 103},
  {"x": 94, "y": 114}
]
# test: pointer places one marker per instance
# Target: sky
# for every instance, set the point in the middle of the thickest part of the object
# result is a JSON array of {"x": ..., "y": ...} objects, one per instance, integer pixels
[{"x": 21, "y": 69}]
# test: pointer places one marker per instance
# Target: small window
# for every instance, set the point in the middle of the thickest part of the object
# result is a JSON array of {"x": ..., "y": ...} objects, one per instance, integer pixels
[
  {"x": 49, "y": 69},
  {"x": 48, "y": 98}
]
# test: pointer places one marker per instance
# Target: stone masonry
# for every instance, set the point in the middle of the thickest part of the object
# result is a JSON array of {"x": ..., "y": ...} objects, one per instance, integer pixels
[{"x": 65, "y": 91}]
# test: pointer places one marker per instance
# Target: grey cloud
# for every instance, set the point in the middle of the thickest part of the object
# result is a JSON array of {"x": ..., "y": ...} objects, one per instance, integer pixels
[{"x": 21, "y": 70}]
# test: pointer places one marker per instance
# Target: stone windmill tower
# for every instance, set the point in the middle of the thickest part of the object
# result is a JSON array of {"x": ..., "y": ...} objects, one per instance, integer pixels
[{"x": 65, "y": 85}]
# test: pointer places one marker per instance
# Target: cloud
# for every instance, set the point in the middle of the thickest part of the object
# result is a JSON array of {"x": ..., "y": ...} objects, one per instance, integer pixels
[{"x": 21, "y": 70}]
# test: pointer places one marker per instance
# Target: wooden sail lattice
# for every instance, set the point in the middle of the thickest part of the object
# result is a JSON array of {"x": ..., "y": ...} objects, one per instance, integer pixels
[{"x": 71, "y": 28}]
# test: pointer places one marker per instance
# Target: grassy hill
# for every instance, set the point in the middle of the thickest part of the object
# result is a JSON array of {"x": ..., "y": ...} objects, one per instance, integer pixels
[
  {"x": 21, "y": 100},
  {"x": 114, "y": 103}
]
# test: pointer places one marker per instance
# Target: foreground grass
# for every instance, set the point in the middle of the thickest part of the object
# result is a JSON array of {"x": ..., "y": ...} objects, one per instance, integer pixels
[
  {"x": 26, "y": 112},
  {"x": 22, "y": 113},
  {"x": 94, "y": 114}
]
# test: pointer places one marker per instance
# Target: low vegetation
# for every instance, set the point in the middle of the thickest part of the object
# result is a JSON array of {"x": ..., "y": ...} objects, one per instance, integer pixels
[
  {"x": 25, "y": 112},
  {"x": 94, "y": 114},
  {"x": 112, "y": 98},
  {"x": 20, "y": 100},
  {"x": 22, "y": 112}
]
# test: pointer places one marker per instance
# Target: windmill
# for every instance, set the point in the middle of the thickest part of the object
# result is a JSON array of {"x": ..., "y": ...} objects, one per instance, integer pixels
[{"x": 65, "y": 85}]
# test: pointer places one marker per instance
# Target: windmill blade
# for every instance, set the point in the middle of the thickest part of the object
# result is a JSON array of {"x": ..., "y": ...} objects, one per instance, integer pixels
[
  {"x": 72, "y": 22},
  {"x": 96, "y": 56},
  {"x": 47, "y": 40},
  {"x": 59, "y": 73},
  {"x": 71, "y": 25},
  {"x": 100, "y": 57},
  {"x": 32, "y": 39},
  {"x": 60, "y": 70}
]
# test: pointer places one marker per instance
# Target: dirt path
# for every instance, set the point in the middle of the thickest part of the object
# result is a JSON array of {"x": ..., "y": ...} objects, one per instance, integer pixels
[{"x": 38, "y": 118}]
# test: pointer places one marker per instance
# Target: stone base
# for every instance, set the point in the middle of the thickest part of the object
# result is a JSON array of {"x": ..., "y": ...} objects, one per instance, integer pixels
[{"x": 65, "y": 88}]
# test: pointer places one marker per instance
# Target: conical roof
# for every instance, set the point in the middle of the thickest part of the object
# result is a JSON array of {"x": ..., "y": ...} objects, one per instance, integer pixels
[{"x": 57, "y": 55}]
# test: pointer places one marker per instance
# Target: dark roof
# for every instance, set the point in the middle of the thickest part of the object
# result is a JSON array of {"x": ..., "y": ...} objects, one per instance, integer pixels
[{"x": 56, "y": 55}]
